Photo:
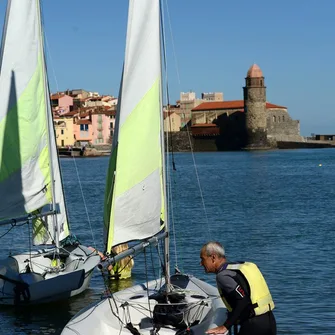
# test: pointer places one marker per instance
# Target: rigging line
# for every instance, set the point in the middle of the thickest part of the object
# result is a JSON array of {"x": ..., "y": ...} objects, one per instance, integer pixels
[
  {"x": 51, "y": 61},
  {"x": 172, "y": 41},
  {"x": 153, "y": 266},
  {"x": 199, "y": 183},
  {"x": 161, "y": 265},
  {"x": 29, "y": 246},
  {"x": 4, "y": 234},
  {"x": 167, "y": 89},
  {"x": 173, "y": 226},
  {"x": 187, "y": 128},
  {"x": 84, "y": 201},
  {"x": 161, "y": 260},
  {"x": 48, "y": 52},
  {"x": 147, "y": 280},
  {"x": 109, "y": 300},
  {"x": 169, "y": 187}
]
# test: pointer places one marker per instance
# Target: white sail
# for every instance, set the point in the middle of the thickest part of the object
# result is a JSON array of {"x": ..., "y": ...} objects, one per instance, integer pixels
[
  {"x": 27, "y": 141},
  {"x": 134, "y": 199}
]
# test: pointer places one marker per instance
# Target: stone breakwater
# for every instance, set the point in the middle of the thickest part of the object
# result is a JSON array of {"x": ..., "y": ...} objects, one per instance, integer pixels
[{"x": 184, "y": 142}]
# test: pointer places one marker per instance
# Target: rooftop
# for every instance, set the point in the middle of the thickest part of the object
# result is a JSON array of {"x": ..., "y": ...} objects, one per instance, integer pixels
[
  {"x": 254, "y": 72},
  {"x": 233, "y": 104}
]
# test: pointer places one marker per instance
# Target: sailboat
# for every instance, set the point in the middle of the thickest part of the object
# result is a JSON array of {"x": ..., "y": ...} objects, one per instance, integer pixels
[
  {"x": 30, "y": 180},
  {"x": 136, "y": 202}
]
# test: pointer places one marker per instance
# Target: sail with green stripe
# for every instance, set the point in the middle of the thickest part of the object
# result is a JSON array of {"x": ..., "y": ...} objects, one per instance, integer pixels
[
  {"x": 134, "y": 198},
  {"x": 30, "y": 178}
]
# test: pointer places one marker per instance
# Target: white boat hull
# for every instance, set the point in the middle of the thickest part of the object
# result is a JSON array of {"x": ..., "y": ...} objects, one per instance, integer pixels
[
  {"x": 204, "y": 310},
  {"x": 43, "y": 283}
]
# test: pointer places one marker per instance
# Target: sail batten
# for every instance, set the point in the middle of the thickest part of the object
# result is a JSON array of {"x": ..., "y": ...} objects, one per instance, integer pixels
[
  {"x": 27, "y": 140},
  {"x": 134, "y": 199}
]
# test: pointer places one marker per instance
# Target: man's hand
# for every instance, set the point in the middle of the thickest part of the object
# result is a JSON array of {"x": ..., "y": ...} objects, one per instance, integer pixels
[{"x": 217, "y": 330}]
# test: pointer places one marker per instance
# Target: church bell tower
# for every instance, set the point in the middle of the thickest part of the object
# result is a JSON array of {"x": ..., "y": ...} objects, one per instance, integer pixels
[{"x": 255, "y": 109}]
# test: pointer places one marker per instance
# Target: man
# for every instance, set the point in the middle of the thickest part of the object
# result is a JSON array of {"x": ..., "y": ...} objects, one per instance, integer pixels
[{"x": 243, "y": 290}]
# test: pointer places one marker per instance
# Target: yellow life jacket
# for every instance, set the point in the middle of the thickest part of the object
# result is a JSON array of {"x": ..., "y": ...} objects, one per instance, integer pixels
[
  {"x": 259, "y": 292},
  {"x": 120, "y": 273}
]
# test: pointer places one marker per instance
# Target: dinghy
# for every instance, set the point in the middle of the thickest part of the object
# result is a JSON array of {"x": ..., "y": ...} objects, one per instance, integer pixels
[{"x": 137, "y": 195}]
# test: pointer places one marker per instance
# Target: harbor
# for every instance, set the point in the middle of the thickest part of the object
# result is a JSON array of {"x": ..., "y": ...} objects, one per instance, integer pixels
[
  {"x": 135, "y": 203},
  {"x": 251, "y": 212}
]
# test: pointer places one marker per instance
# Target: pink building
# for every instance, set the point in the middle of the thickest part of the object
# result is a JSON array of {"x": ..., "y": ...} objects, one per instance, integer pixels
[
  {"x": 61, "y": 103},
  {"x": 102, "y": 126},
  {"x": 94, "y": 126},
  {"x": 82, "y": 131}
]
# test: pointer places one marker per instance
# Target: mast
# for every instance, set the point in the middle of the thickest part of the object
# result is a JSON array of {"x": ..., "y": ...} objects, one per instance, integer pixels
[
  {"x": 50, "y": 133},
  {"x": 166, "y": 212}
]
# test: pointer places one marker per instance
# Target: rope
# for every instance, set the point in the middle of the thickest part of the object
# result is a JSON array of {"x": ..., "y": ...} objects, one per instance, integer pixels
[
  {"x": 109, "y": 300},
  {"x": 147, "y": 281},
  {"x": 153, "y": 267},
  {"x": 54, "y": 74},
  {"x": 84, "y": 201},
  {"x": 199, "y": 184},
  {"x": 187, "y": 128},
  {"x": 168, "y": 173},
  {"x": 172, "y": 41},
  {"x": 29, "y": 246},
  {"x": 47, "y": 46},
  {"x": 173, "y": 225}
]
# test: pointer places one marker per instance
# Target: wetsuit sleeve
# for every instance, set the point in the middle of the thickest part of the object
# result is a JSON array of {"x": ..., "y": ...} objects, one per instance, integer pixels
[{"x": 235, "y": 296}]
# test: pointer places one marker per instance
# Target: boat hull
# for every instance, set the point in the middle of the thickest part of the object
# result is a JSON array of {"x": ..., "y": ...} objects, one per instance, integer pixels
[
  {"x": 201, "y": 308},
  {"x": 41, "y": 282}
]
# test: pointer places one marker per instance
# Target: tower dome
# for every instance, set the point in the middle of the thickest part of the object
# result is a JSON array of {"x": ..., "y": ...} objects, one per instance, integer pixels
[{"x": 254, "y": 72}]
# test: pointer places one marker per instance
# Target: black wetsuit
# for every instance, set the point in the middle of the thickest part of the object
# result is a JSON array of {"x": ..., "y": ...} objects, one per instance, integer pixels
[{"x": 235, "y": 290}]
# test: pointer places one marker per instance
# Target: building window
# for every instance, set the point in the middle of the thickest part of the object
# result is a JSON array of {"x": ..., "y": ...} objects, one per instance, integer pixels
[
  {"x": 283, "y": 118},
  {"x": 62, "y": 131},
  {"x": 274, "y": 118},
  {"x": 84, "y": 127}
]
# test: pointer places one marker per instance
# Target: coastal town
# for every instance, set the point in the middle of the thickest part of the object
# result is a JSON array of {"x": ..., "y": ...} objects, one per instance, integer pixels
[{"x": 85, "y": 121}]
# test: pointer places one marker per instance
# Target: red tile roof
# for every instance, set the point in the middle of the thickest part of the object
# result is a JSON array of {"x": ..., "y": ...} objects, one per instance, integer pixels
[
  {"x": 57, "y": 96},
  {"x": 104, "y": 112},
  {"x": 215, "y": 105},
  {"x": 70, "y": 113},
  {"x": 233, "y": 104},
  {"x": 84, "y": 114},
  {"x": 109, "y": 112},
  {"x": 270, "y": 105}
]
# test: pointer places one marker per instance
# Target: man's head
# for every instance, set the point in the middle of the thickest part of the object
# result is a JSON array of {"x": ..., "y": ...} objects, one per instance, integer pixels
[{"x": 212, "y": 256}]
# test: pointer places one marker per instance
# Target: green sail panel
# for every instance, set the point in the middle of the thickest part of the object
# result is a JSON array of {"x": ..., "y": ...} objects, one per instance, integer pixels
[
  {"x": 134, "y": 198},
  {"x": 27, "y": 140}
]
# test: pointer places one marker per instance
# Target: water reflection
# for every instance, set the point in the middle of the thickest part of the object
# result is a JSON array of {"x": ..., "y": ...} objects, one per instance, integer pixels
[{"x": 118, "y": 285}]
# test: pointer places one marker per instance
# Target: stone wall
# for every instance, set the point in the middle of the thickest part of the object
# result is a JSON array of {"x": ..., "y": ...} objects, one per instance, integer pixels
[
  {"x": 255, "y": 107},
  {"x": 255, "y": 113},
  {"x": 179, "y": 141},
  {"x": 281, "y": 127}
]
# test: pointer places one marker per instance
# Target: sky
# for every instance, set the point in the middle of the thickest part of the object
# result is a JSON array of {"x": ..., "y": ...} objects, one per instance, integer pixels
[{"x": 210, "y": 46}]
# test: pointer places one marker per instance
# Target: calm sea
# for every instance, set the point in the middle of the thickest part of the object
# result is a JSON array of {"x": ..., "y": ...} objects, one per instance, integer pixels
[{"x": 274, "y": 208}]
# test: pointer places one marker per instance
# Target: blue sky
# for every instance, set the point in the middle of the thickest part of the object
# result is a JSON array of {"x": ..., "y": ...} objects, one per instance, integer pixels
[{"x": 216, "y": 41}]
